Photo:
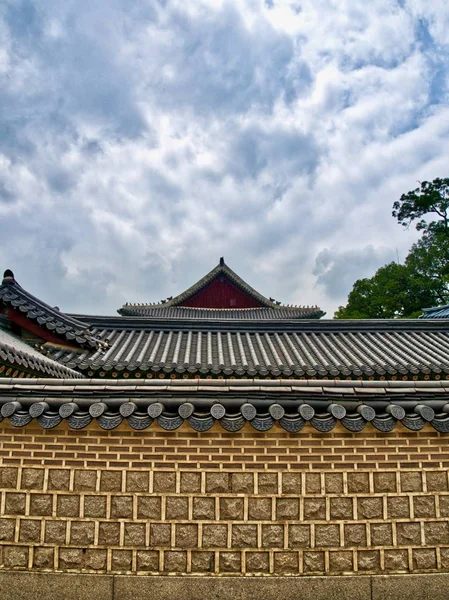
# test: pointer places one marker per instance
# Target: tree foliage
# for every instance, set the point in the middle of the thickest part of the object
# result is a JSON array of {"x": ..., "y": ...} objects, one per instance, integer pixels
[
  {"x": 403, "y": 290},
  {"x": 430, "y": 198}
]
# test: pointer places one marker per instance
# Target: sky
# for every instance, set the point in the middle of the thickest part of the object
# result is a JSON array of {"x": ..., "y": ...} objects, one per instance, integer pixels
[{"x": 141, "y": 141}]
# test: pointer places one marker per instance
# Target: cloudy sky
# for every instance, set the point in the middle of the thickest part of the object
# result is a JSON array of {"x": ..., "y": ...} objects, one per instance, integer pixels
[{"x": 140, "y": 141}]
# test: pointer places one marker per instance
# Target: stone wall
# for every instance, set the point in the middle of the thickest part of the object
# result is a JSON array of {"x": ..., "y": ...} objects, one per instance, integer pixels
[{"x": 218, "y": 503}]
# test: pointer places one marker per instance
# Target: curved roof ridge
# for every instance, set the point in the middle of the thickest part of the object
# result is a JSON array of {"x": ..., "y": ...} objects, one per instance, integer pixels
[{"x": 46, "y": 316}]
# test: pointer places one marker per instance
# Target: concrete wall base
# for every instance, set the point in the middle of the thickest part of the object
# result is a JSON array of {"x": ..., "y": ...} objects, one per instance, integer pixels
[{"x": 20, "y": 585}]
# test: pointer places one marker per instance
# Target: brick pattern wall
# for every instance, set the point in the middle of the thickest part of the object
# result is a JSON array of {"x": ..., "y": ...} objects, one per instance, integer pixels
[
  {"x": 153, "y": 448},
  {"x": 121, "y": 509}
]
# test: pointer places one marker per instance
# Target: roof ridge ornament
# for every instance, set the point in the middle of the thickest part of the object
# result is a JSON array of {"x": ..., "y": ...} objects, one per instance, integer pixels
[{"x": 8, "y": 277}]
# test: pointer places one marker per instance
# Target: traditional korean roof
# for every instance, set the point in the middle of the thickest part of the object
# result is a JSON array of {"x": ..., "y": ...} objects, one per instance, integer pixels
[
  {"x": 48, "y": 318},
  {"x": 264, "y": 308},
  {"x": 437, "y": 312},
  {"x": 195, "y": 344},
  {"x": 15, "y": 354},
  {"x": 313, "y": 348},
  {"x": 231, "y": 403}
]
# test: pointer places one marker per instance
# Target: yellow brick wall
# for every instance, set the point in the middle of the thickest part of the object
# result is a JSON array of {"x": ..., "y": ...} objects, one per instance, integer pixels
[{"x": 223, "y": 503}]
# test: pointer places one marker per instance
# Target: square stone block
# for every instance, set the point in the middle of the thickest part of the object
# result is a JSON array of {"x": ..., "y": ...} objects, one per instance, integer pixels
[
  {"x": 273, "y": 536},
  {"x": 134, "y": 534},
  {"x": 385, "y": 481},
  {"x": 164, "y": 481},
  {"x": 313, "y": 483},
  {"x": 95, "y": 559},
  {"x": 257, "y": 562},
  {"x": 147, "y": 560},
  {"x": 175, "y": 562},
  {"x": 396, "y": 560},
  {"x": 30, "y": 531},
  {"x": 215, "y": 536},
  {"x": 267, "y": 483},
  {"x": 8, "y": 477},
  {"x": 149, "y": 507},
  {"x": 411, "y": 481},
  {"x": 314, "y": 509},
  {"x": 230, "y": 562},
  {"x": 203, "y": 562},
  {"x": 242, "y": 483},
  {"x": 7, "y": 528},
  {"x": 244, "y": 536},
  {"x": 341, "y": 508},
  {"x": 122, "y": 507},
  {"x": 32, "y": 479},
  {"x": 313, "y": 562},
  {"x": 436, "y": 481},
  {"x": 334, "y": 483},
  {"x": 355, "y": 535},
  {"x": 191, "y": 482},
  {"x": 368, "y": 560},
  {"x": 408, "y": 534},
  {"x": 381, "y": 534},
  {"x": 287, "y": 509},
  {"x": 370, "y": 508},
  {"x": 424, "y": 559},
  {"x": 291, "y": 483},
  {"x": 298, "y": 536},
  {"x": 15, "y": 503},
  {"x": 58, "y": 479},
  {"x": 41, "y": 504},
  {"x": 327, "y": 536},
  {"x": 109, "y": 534},
  {"x": 71, "y": 558},
  {"x": 231, "y": 509},
  {"x": 111, "y": 481},
  {"x": 217, "y": 483},
  {"x": 286, "y": 562},
  {"x": 160, "y": 534},
  {"x": 82, "y": 533},
  {"x": 43, "y": 558},
  {"x": 186, "y": 536},
  {"x": 85, "y": 480},
  {"x": 259, "y": 509},
  {"x": 55, "y": 532},
  {"x": 15, "y": 556},
  {"x": 68, "y": 506},
  {"x": 204, "y": 508},
  {"x": 121, "y": 560},
  {"x": 94, "y": 506},
  {"x": 436, "y": 533},
  {"x": 424, "y": 506},
  {"x": 137, "y": 481},
  {"x": 341, "y": 561},
  {"x": 358, "y": 483},
  {"x": 398, "y": 507},
  {"x": 176, "y": 507}
]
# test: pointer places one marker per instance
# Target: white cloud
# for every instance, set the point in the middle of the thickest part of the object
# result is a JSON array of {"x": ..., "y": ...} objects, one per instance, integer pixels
[{"x": 139, "y": 143}]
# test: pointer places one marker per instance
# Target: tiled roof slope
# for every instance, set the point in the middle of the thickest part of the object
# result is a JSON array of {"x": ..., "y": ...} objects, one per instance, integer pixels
[
  {"x": 228, "y": 314},
  {"x": 47, "y": 317},
  {"x": 231, "y": 403},
  {"x": 171, "y": 307},
  {"x": 15, "y": 352},
  {"x": 438, "y": 312},
  {"x": 304, "y": 348}
]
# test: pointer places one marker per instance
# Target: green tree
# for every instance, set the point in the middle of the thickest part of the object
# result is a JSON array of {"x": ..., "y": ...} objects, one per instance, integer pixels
[
  {"x": 431, "y": 198},
  {"x": 401, "y": 291},
  {"x": 395, "y": 291}
]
